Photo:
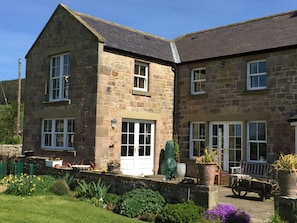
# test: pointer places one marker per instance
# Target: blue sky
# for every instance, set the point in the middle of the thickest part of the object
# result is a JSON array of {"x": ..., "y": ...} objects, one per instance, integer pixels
[{"x": 23, "y": 20}]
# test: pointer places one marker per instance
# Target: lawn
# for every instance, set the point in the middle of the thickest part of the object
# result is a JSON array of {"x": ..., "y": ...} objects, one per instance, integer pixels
[{"x": 54, "y": 209}]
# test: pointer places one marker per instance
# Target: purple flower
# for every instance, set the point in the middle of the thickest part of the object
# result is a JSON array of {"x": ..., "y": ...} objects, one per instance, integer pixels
[{"x": 226, "y": 213}]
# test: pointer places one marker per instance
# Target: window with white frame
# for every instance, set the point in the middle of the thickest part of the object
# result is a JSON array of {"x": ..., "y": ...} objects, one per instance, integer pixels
[
  {"x": 197, "y": 139},
  {"x": 256, "y": 75},
  {"x": 58, "y": 134},
  {"x": 59, "y": 77},
  {"x": 141, "y": 76},
  {"x": 257, "y": 141},
  {"x": 198, "y": 80}
]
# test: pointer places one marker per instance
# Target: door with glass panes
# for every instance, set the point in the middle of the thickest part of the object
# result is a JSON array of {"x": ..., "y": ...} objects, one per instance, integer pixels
[
  {"x": 137, "y": 147},
  {"x": 227, "y": 138}
]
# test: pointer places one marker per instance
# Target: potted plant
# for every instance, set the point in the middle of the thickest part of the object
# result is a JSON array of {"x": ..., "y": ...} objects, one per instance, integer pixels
[
  {"x": 54, "y": 162},
  {"x": 286, "y": 169},
  {"x": 181, "y": 168},
  {"x": 207, "y": 167}
]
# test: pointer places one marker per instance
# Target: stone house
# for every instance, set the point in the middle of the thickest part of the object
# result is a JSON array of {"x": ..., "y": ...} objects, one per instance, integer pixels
[{"x": 97, "y": 91}]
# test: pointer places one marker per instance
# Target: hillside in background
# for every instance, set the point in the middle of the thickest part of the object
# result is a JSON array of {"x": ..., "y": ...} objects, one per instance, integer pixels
[{"x": 10, "y": 90}]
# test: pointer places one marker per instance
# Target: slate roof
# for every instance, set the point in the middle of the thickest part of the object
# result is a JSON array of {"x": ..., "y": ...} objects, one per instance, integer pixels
[
  {"x": 256, "y": 35},
  {"x": 271, "y": 32},
  {"x": 126, "y": 39}
]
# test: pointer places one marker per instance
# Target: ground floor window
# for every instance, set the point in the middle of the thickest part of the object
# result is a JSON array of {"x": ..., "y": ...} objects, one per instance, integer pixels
[
  {"x": 197, "y": 139},
  {"x": 257, "y": 141},
  {"x": 58, "y": 134}
]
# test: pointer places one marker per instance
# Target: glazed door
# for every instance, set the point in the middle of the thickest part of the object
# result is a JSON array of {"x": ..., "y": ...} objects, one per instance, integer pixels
[
  {"x": 137, "y": 147},
  {"x": 226, "y": 137}
]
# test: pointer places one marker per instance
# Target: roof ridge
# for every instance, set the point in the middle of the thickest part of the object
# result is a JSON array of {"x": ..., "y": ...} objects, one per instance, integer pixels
[{"x": 293, "y": 12}]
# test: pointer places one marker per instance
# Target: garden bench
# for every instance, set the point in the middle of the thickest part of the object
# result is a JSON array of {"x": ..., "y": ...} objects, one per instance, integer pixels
[{"x": 248, "y": 170}]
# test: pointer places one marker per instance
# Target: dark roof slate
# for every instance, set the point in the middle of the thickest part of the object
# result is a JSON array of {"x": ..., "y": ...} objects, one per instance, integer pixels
[
  {"x": 129, "y": 40},
  {"x": 255, "y": 35}
]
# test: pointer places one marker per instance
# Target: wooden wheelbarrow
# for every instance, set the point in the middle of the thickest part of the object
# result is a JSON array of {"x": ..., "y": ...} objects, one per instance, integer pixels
[{"x": 241, "y": 187}]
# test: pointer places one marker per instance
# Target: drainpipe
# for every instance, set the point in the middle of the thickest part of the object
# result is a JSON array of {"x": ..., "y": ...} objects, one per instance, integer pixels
[{"x": 174, "y": 98}]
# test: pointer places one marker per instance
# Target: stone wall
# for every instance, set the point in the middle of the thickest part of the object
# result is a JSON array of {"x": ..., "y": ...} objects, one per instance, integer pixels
[
  {"x": 10, "y": 150},
  {"x": 172, "y": 191}
]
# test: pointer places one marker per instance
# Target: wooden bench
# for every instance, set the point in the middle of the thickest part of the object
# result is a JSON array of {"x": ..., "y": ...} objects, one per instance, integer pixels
[{"x": 248, "y": 170}]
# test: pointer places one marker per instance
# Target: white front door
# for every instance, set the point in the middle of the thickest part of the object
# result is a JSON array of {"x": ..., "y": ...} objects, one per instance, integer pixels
[
  {"x": 227, "y": 137},
  {"x": 137, "y": 147}
]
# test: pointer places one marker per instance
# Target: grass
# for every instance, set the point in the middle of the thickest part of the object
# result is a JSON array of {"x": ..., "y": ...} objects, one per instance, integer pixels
[{"x": 54, "y": 209}]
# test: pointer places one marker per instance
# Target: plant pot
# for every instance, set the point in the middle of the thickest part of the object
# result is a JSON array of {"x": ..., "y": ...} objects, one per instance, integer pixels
[
  {"x": 206, "y": 173},
  {"x": 53, "y": 163},
  {"x": 181, "y": 169},
  {"x": 287, "y": 180}
]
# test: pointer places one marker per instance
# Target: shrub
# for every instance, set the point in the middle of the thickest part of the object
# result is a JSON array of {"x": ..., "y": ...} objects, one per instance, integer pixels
[
  {"x": 140, "y": 201},
  {"x": 60, "y": 187},
  {"x": 90, "y": 190},
  {"x": 69, "y": 179},
  {"x": 181, "y": 212},
  {"x": 111, "y": 201},
  {"x": 226, "y": 213}
]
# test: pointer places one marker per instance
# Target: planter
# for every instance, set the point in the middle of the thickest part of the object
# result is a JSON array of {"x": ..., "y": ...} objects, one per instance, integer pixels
[
  {"x": 181, "y": 169},
  {"x": 206, "y": 173},
  {"x": 53, "y": 163},
  {"x": 287, "y": 180}
]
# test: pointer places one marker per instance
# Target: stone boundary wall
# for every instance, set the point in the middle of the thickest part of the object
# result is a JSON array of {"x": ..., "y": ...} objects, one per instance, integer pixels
[
  {"x": 11, "y": 150},
  {"x": 172, "y": 191}
]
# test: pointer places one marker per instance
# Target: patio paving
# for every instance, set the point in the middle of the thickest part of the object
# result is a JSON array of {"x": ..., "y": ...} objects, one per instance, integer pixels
[{"x": 260, "y": 211}]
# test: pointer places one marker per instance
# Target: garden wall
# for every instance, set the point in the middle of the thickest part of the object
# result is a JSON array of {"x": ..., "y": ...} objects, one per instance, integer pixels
[
  {"x": 10, "y": 150},
  {"x": 173, "y": 191},
  {"x": 286, "y": 208}
]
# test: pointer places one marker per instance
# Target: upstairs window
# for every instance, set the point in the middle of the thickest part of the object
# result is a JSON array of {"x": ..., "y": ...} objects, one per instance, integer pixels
[
  {"x": 59, "y": 79},
  {"x": 256, "y": 75},
  {"x": 198, "y": 80},
  {"x": 141, "y": 76},
  {"x": 58, "y": 134}
]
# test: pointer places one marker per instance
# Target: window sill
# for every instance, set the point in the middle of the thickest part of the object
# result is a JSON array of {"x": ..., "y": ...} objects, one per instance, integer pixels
[
  {"x": 62, "y": 102},
  {"x": 199, "y": 96},
  {"x": 141, "y": 93},
  {"x": 256, "y": 92}
]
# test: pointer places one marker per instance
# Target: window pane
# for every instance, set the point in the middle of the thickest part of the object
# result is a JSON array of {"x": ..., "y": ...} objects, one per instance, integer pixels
[
  {"x": 141, "y": 82},
  {"x": 124, "y": 150},
  {"x": 254, "y": 81},
  {"x": 261, "y": 131},
  {"x": 262, "y": 80},
  {"x": 131, "y": 151},
  {"x": 142, "y": 71},
  {"x": 141, "y": 151},
  {"x": 262, "y": 67},
  {"x": 252, "y": 131},
  {"x": 253, "y": 68},
  {"x": 253, "y": 151}
]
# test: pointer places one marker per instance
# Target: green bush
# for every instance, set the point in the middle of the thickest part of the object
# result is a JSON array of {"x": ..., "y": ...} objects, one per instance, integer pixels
[
  {"x": 140, "y": 201},
  {"x": 90, "y": 190},
  {"x": 184, "y": 212},
  {"x": 111, "y": 201},
  {"x": 60, "y": 187}
]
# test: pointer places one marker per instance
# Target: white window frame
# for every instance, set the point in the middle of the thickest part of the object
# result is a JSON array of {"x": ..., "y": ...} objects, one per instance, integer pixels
[
  {"x": 59, "y": 77},
  {"x": 197, "y": 139},
  {"x": 256, "y": 141},
  {"x": 140, "y": 77},
  {"x": 257, "y": 74},
  {"x": 199, "y": 83},
  {"x": 58, "y": 137}
]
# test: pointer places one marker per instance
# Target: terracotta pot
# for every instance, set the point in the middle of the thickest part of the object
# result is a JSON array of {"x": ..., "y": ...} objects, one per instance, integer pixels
[
  {"x": 206, "y": 173},
  {"x": 287, "y": 181}
]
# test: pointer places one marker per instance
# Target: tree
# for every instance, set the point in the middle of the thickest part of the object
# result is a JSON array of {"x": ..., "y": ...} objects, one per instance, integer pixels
[{"x": 8, "y": 121}]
